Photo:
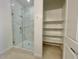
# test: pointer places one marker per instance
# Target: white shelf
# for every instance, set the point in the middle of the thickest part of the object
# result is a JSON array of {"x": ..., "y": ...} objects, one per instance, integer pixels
[
  {"x": 53, "y": 29},
  {"x": 53, "y": 33},
  {"x": 53, "y": 26},
  {"x": 53, "y": 40},
  {"x": 53, "y": 22},
  {"x": 53, "y": 36}
]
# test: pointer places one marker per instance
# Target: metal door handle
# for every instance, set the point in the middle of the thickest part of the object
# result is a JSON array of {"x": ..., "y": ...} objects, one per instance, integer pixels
[
  {"x": 74, "y": 51},
  {"x": 20, "y": 28}
]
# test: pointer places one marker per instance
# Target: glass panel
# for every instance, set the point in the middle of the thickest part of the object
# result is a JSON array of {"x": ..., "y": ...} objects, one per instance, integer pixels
[
  {"x": 28, "y": 25},
  {"x": 17, "y": 23},
  {"x": 23, "y": 23}
]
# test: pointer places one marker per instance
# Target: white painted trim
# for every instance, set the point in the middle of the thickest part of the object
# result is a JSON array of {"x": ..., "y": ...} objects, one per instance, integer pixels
[
  {"x": 37, "y": 55},
  {"x": 65, "y": 26},
  {"x": 71, "y": 39},
  {"x": 66, "y": 10},
  {"x": 38, "y": 28}
]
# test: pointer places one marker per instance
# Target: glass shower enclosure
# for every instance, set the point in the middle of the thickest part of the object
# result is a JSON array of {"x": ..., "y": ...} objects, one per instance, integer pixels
[{"x": 23, "y": 23}]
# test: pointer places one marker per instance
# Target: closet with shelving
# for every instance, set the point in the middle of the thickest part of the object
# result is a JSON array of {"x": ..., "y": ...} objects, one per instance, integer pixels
[
  {"x": 54, "y": 20},
  {"x": 55, "y": 26}
]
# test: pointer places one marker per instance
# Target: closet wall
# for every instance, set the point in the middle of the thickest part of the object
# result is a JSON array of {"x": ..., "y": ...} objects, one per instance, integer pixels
[{"x": 54, "y": 21}]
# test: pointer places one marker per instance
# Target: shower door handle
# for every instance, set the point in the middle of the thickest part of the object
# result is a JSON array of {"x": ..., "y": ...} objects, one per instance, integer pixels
[{"x": 20, "y": 28}]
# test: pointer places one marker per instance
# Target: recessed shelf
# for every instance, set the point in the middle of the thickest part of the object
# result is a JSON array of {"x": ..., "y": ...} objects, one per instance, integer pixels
[
  {"x": 53, "y": 26},
  {"x": 53, "y": 29},
  {"x": 53, "y": 36},
  {"x": 53, "y": 40},
  {"x": 53, "y": 22}
]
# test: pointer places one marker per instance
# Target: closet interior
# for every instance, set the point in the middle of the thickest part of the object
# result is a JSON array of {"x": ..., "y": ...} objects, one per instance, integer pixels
[
  {"x": 53, "y": 26},
  {"x": 54, "y": 19}
]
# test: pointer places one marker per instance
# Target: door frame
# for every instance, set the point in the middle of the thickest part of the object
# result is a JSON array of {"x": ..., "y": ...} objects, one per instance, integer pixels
[{"x": 38, "y": 28}]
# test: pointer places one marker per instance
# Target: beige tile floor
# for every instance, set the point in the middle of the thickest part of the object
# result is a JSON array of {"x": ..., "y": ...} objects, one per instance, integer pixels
[{"x": 50, "y": 52}]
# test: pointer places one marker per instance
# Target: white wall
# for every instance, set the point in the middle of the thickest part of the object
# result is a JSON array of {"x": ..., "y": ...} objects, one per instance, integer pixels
[
  {"x": 5, "y": 25},
  {"x": 70, "y": 39},
  {"x": 71, "y": 17},
  {"x": 54, "y": 15},
  {"x": 53, "y": 4}
]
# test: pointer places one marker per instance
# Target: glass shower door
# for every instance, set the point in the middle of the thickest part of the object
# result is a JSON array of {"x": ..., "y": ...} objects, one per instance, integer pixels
[
  {"x": 23, "y": 23},
  {"x": 28, "y": 28},
  {"x": 17, "y": 18}
]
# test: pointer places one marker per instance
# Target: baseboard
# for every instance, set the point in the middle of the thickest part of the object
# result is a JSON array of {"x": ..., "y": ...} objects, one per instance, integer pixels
[
  {"x": 37, "y": 56},
  {"x": 24, "y": 50},
  {"x": 5, "y": 51}
]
